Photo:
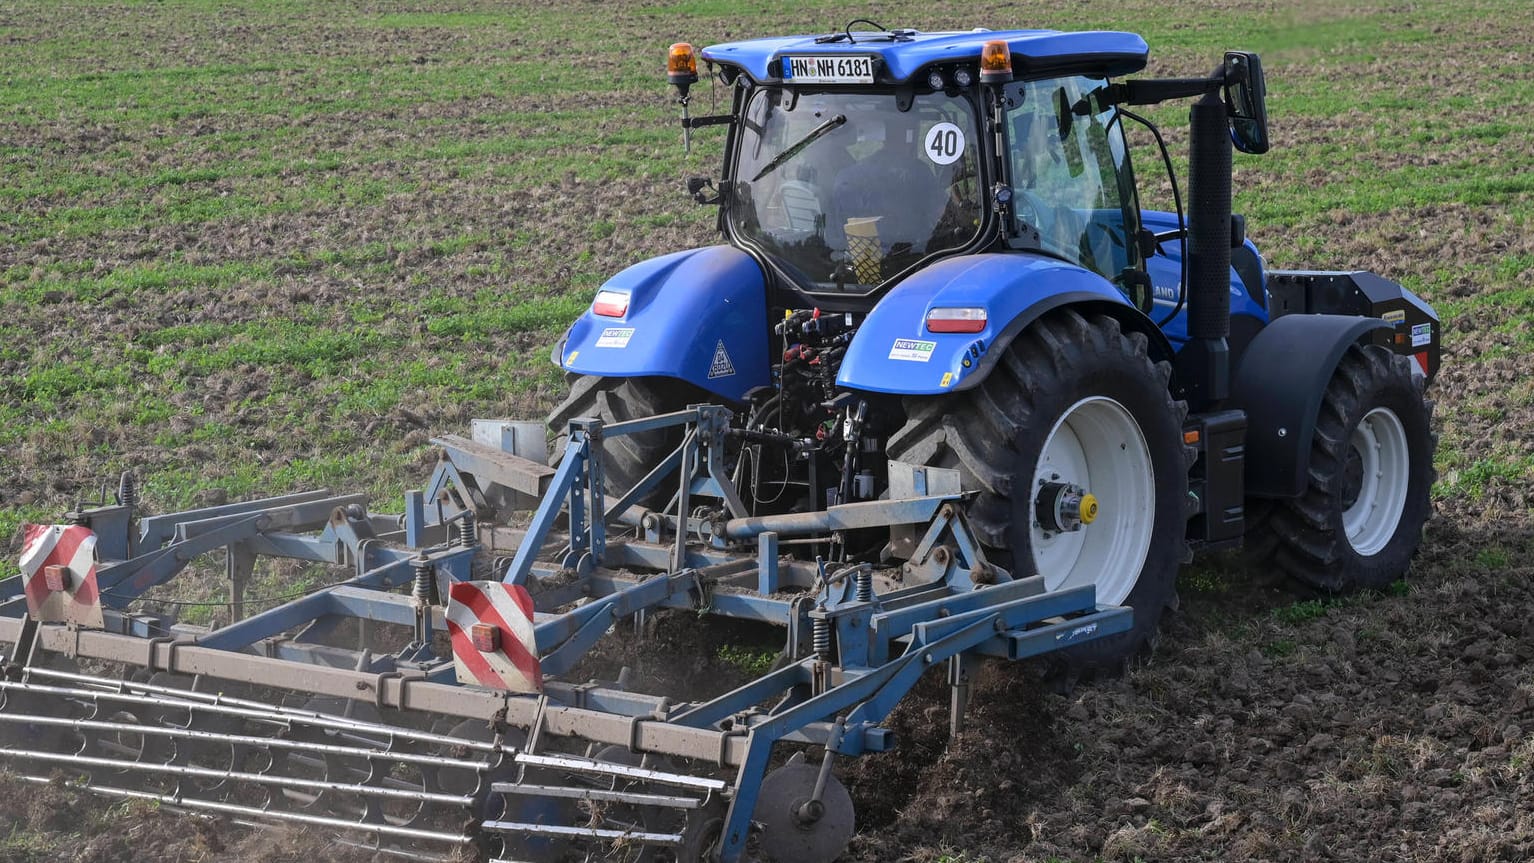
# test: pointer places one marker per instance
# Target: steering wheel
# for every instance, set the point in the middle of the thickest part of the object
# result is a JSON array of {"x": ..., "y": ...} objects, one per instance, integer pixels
[{"x": 1063, "y": 222}]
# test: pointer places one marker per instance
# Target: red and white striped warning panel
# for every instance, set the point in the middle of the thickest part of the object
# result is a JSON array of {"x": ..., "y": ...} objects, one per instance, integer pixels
[
  {"x": 491, "y": 625},
  {"x": 58, "y": 568}
]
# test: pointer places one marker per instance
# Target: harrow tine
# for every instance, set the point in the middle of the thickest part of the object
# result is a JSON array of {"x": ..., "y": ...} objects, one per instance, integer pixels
[
  {"x": 238, "y": 776},
  {"x": 180, "y": 802},
  {"x": 148, "y": 742},
  {"x": 322, "y": 749},
  {"x": 244, "y": 708}
]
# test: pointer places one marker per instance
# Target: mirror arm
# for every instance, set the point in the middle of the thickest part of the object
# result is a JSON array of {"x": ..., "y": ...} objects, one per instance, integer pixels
[
  {"x": 1153, "y": 91},
  {"x": 714, "y": 120}
]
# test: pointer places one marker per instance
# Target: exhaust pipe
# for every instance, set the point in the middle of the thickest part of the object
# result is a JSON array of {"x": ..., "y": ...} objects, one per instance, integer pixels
[{"x": 1204, "y": 363}]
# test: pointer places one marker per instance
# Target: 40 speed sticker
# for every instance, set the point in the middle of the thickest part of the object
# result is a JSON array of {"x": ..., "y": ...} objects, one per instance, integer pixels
[
  {"x": 913, "y": 350},
  {"x": 944, "y": 143}
]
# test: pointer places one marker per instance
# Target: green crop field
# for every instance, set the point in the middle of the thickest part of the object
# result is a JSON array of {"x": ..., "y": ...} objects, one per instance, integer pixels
[{"x": 257, "y": 246}]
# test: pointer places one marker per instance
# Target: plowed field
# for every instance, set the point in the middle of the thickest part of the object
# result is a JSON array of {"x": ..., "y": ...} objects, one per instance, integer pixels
[{"x": 252, "y": 247}]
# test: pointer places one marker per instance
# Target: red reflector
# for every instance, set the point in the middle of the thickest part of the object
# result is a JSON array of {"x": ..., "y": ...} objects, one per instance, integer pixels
[
  {"x": 963, "y": 320},
  {"x": 56, "y": 577},
  {"x": 611, "y": 304},
  {"x": 485, "y": 637}
]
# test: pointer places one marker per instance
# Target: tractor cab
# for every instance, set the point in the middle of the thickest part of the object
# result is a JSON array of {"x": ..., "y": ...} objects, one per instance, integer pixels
[
  {"x": 845, "y": 190},
  {"x": 858, "y": 158}
]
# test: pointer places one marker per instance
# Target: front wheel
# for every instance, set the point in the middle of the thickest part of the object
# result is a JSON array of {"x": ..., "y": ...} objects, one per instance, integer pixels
[
  {"x": 1075, "y": 447},
  {"x": 1359, "y": 520}
]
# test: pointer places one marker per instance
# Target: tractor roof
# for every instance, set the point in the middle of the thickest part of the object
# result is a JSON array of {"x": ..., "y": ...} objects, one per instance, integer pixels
[{"x": 904, "y": 53}]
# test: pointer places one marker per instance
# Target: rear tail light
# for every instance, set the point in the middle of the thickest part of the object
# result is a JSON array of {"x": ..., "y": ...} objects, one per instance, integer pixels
[
  {"x": 611, "y": 304},
  {"x": 960, "y": 320}
]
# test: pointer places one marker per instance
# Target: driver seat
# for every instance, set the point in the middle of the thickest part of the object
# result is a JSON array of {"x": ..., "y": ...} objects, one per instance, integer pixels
[{"x": 801, "y": 207}]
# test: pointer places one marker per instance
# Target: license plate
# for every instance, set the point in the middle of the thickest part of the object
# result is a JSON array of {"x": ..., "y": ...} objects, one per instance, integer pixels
[{"x": 823, "y": 69}]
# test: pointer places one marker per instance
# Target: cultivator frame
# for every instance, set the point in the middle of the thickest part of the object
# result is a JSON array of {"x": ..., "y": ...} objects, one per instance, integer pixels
[{"x": 390, "y": 745}]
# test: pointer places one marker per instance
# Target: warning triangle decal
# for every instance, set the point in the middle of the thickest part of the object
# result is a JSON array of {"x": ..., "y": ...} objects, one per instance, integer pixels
[{"x": 721, "y": 367}]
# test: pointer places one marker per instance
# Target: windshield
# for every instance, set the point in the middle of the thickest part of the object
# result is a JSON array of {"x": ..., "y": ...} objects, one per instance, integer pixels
[
  {"x": 845, "y": 191},
  {"x": 1072, "y": 192}
]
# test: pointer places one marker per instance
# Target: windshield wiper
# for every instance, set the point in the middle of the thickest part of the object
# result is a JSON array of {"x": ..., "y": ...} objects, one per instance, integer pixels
[{"x": 811, "y": 137}]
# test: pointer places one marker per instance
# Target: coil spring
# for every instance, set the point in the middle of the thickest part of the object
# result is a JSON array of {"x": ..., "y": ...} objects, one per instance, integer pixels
[
  {"x": 863, "y": 585},
  {"x": 425, "y": 586},
  {"x": 821, "y": 638},
  {"x": 127, "y": 489},
  {"x": 464, "y": 534}
]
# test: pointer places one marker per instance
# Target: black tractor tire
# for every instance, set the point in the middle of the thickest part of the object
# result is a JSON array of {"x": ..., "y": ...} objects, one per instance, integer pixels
[
  {"x": 995, "y": 435},
  {"x": 629, "y": 458},
  {"x": 1373, "y": 403}
]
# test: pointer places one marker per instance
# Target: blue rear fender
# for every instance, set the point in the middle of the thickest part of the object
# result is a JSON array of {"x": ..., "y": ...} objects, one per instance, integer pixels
[
  {"x": 698, "y": 316},
  {"x": 894, "y": 353}
]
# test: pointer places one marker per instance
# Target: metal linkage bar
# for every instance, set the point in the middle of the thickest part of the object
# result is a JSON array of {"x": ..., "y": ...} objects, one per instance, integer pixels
[
  {"x": 599, "y": 794},
  {"x": 176, "y": 539},
  {"x": 527, "y": 828},
  {"x": 566, "y": 478},
  {"x": 574, "y": 764}
]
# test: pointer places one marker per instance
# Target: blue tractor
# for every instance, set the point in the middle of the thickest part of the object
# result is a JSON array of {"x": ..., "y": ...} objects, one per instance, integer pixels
[{"x": 936, "y": 277}]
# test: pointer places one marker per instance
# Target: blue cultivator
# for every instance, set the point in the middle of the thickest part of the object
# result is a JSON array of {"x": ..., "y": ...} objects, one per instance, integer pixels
[{"x": 391, "y": 749}]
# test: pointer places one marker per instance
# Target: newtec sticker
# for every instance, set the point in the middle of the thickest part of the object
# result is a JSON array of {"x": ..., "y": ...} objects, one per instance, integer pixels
[
  {"x": 615, "y": 337},
  {"x": 912, "y": 350}
]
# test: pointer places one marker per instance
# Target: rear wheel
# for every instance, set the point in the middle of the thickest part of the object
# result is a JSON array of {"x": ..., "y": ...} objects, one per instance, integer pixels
[
  {"x": 1359, "y": 520},
  {"x": 626, "y": 459},
  {"x": 1074, "y": 444}
]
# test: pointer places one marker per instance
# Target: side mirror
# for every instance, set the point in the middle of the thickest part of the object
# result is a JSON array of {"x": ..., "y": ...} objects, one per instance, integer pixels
[{"x": 1246, "y": 101}]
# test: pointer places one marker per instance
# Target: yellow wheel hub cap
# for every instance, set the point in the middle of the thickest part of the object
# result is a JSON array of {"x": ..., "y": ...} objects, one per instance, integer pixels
[{"x": 1088, "y": 509}]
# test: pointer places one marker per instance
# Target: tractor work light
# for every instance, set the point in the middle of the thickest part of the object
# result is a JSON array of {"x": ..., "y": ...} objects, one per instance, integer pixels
[
  {"x": 963, "y": 77},
  {"x": 959, "y": 320},
  {"x": 682, "y": 65},
  {"x": 996, "y": 62},
  {"x": 611, "y": 304},
  {"x": 935, "y": 80}
]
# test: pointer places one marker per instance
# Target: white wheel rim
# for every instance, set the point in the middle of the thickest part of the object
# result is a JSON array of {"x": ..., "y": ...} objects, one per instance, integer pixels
[
  {"x": 1379, "y": 443},
  {"x": 1097, "y": 445}
]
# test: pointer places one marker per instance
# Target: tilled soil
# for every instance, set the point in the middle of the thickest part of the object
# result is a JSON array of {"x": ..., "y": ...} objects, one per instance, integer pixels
[{"x": 1387, "y": 728}]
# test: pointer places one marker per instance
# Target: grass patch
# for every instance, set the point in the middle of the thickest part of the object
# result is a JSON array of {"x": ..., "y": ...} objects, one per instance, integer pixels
[
  {"x": 1303, "y": 612},
  {"x": 754, "y": 662}
]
